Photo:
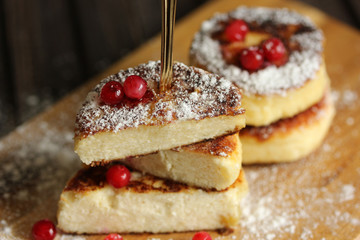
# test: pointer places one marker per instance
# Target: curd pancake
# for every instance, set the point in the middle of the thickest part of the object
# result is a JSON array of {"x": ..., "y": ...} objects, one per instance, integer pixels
[
  {"x": 288, "y": 139},
  {"x": 198, "y": 106},
  {"x": 274, "y": 55},
  {"x": 210, "y": 164},
  {"x": 89, "y": 205}
]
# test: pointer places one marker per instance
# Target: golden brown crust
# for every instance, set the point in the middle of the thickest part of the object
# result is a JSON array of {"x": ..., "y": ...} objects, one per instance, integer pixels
[
  {"x": 220, "y": 146},
  {"x": 285, "y": 125},
  {"x": 93, "y": 178}
]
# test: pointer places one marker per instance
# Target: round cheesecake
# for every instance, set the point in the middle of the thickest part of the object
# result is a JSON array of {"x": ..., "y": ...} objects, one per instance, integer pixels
[
  {"x": 275, "y": 91},
  {"x": 89, "y": 205},
  {"x": 288, "y": 139}
]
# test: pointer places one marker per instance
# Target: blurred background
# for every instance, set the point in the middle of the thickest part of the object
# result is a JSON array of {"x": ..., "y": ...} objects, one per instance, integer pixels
[{"x": 48, "y": 48}]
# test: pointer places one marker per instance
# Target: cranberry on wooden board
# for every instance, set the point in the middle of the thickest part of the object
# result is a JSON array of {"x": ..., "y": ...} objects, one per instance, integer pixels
[
  {"x": 43, "y": 230},
  {"x": 112, "y": 93},
  {"x": 113, "y": 236},
  {"x": 118, "y": 176},
  {"x": 135, "y": 87},
  {"x": 236, "y": 31},
  {"x": 202, "y": 236},
  {"x": 251, "y": 58}
]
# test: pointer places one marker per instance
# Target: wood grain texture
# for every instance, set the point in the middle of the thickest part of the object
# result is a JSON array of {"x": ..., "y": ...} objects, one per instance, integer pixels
[
  {"x": 118, "y": 27},
  {"x": 53, "y": 47},
  {"x": 19, "y": 28},
  {"x": 41, "y": 51},
  {"x": 318, "y": 196},
  {"x": 7, "y": 113},
  {"x": 339, "y": 9},
  {"x": 354, "y": 10}
]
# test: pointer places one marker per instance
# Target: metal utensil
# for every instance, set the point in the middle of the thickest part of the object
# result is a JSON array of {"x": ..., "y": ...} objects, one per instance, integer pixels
[{"x": 168, "y": 21}]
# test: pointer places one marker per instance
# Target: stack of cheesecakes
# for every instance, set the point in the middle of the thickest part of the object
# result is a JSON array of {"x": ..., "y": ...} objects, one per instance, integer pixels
[
  {"x": 181, "y": 146},
  {"x": 276, "y": 57}
]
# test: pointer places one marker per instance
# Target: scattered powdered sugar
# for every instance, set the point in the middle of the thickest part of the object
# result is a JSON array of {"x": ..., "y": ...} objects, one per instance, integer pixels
[
  {"x": 349, "y": 96},
  {"x": 31, "y": 159},
  {"x": 273, "y": 210},
  {"x": 345, "y": 98},
  {"x": 32, "y": 175},
  {"x": 326, "y": 147},
  {"x": 263, "y": 14},
  {"x": 4, "y": 227},
  {"x": 68, "y": 237},
  {"x": 347, "y": 193},
  {"x": 301, "y": 66},
  {"x": 195, "y": 94},
  {"x": 7, "y": 230},
  {"x": 350, "y": 121}
]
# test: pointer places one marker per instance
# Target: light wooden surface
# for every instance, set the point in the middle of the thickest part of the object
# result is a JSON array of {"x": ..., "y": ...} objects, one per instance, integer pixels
[{"x": 315, "y": 198}]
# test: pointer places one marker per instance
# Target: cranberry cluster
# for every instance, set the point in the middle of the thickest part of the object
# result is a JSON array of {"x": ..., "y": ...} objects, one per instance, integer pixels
[
  {"x": 253, "y": 58},
  {"x": 113, "y": 92}
]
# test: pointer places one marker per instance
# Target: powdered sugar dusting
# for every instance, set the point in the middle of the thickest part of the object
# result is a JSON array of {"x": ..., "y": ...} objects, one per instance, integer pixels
[
  {"x": 347, "y": 193},
  {"x": 344, "y": 99},
  {"x": 263, "y": 14},
  {"x": 33, "y": 174},
  {"x": 68, "y": 237},
  {"x": 195, "y": 94},
  {"x": 4, "y": 227},
  {"x": 302, "y": 65},
  {"x": 277, "y": 211}
]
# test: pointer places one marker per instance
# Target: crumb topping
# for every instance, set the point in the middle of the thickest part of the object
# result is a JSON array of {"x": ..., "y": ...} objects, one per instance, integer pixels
[
  {"x": 194, "y": 95},
  {"x": 301, "y": 66}
]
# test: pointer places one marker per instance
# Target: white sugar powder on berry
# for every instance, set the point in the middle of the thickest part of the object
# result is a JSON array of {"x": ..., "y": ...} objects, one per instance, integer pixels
[{"x": 301, "y": 66}]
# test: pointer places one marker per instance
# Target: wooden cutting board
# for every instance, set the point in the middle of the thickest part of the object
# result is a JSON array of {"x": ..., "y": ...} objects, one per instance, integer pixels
[{"x": 315, "y": 198}]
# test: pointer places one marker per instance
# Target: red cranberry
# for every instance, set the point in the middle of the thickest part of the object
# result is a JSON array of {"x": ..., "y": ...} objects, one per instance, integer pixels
[
  {"x": 236, "y": 31},
  {"x": 274, "y": 49},
  {"x": 202, "y": 236},
  {"x": 113, "y": 236},
  {"x": 148, "y": 97},
  {"x": 135, "y": 87},
  {"x": 44, "y": 230},
  {"x": 251, "y": 58},
  {"x": 112, "y": 93},
  {"x": 118, "y": 176}
]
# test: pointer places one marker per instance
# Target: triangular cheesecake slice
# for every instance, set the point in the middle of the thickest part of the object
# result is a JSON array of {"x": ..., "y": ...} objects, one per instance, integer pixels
[
  {"x": 209, "y": 164},
  {"x": 88, "y": 204},
  {"x": 198, "y": 106}
]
